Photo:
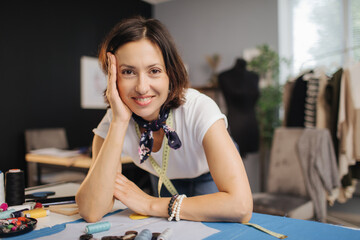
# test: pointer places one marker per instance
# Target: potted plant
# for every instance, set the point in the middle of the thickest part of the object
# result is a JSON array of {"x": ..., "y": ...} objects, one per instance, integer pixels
[{"x": 266, "y": 64}]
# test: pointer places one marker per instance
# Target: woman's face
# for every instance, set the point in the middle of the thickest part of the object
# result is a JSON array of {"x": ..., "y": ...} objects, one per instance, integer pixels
[{"x": 142, "y": 80}]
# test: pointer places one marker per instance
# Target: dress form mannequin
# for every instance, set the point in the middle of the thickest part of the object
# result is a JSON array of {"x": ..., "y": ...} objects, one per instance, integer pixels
[{"x": 241, "y": 92}]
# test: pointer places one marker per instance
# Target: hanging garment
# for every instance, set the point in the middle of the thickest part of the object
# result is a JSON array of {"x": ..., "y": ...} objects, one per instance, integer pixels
[
  {"x": 296, "y": 113},
  {"x": 332, "y": 97},
  {"x": 317, "y": 157},
  {"x": 349, "y": 119},
  {"x": 287, "y": 90}
]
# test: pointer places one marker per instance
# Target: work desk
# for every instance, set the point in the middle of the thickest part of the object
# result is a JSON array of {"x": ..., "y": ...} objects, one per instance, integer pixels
[
  {"x": 50, "y": 226},
  {"x": 78, "y": 163}
]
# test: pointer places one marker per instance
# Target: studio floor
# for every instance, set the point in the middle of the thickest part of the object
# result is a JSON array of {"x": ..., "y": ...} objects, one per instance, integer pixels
[{"x": 346, "y": 214}]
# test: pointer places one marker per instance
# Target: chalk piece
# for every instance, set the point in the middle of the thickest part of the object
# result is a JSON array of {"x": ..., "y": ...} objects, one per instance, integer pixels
[{"x": 136, "y": 216}]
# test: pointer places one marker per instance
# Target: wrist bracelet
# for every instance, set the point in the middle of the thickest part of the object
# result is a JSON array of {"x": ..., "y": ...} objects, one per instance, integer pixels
[
  {"x": 175, "y": 206},
  {"x": 172, "y": 200}
]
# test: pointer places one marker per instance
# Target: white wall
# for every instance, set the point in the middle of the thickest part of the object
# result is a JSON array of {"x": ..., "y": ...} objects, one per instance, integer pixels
[{"x": 226, "y": 27}]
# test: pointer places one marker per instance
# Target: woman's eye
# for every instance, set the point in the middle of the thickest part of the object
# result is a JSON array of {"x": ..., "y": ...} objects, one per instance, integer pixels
[
  {"x": 127, "y": 72},
  {"x": 155, "y": 71}
]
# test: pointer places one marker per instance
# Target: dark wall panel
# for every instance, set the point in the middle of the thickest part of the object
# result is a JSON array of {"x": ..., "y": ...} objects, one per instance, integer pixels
[{"x": 41, "y": 43}]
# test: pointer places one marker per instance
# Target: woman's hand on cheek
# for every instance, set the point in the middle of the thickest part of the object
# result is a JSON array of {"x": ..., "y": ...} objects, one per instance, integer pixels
[
  {"x": 121, "y": 112},
  {"x": 131, "y": 195}
]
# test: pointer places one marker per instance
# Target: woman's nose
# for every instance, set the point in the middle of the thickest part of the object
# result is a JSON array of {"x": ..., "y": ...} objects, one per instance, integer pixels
[{"x": 142, "y": 86}]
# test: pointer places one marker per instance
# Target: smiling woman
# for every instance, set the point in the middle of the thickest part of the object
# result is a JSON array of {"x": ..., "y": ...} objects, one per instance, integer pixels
[{"x": 167, "y": 130}]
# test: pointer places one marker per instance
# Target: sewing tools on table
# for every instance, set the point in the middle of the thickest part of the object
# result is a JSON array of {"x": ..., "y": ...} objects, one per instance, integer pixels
[
  {"x": 17, "y": 216},
  {"x": 39, "y": 195},
  {"x": 15, "y": 226},
  {"x": 46, "y": 202},
  {"x": 36, "y": 213},
  {"x": 14, "y": 187},
  {"x": 145, "y": 234},
  {"x": 97, "y": 227}
]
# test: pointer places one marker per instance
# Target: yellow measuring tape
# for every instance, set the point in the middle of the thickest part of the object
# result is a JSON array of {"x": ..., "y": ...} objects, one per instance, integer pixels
[
  {"x": 274, "y": 234},
  {"x": 161, "y": 171}
]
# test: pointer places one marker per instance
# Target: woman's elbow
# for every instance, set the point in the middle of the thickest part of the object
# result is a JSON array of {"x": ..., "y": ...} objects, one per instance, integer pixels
[
  {"x": 88, "y": 213},
  {"x": 243, "y": 211},
  {"x": 90, "y": 218}
]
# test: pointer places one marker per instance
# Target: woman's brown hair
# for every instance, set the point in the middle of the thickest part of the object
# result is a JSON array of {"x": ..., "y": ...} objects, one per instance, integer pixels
[{"x": 137, "y": 28}]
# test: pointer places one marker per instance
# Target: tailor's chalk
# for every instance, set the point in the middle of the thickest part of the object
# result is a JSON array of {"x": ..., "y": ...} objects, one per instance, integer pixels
[
  {"x": 144, "y": 235},
  {"x": 97, "y": 227},
  {"x": 136, "y": 216},
  {"x": 7, "y": 213},
  {"x": 166, "y": 234},
  {"x": 36, "y": 213}
]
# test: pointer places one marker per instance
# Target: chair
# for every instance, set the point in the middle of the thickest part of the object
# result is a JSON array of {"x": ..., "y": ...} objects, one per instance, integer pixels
[
  {"x": 48, "y": 138},
  {"x": 45, "y": 138},
  {"x": 286, "y": 193}
]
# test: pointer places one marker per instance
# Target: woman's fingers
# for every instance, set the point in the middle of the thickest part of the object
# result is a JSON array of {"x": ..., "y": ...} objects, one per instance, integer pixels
[
  {"x": 120, "y": 110},
  {"x": 111, "y": 75},
  {"x": 131, "y": 195}
]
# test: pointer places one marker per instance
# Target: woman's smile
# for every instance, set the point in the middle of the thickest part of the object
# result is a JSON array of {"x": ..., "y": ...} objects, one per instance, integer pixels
[{"x": 143, "y": 101}]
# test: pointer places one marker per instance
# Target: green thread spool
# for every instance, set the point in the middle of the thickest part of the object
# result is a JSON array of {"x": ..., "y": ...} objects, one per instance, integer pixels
[{"x": 97, "y": 227}]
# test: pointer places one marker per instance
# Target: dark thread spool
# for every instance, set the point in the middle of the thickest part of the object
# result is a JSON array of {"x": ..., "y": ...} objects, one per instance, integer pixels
[{"x": 14, "y": 187}]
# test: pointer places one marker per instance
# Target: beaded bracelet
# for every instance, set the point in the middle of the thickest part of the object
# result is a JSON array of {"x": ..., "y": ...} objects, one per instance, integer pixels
[
  {"x": 177, "y": 214},
  {"x": 175, "y": 210},
  {"x": 170, "y": 207}
]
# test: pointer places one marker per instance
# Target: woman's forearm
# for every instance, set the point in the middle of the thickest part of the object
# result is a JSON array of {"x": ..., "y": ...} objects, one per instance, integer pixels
[
  {"x": 213, "y": 207},
  {"x": 95, "y": 195}
]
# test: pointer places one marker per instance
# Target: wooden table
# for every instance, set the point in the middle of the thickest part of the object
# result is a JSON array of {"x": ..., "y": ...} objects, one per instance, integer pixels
[{"x": 78, "y": 163}]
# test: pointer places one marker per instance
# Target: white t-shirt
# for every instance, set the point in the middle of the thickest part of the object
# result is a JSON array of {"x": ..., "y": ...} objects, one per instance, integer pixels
[{"x": 190, "y": 121}]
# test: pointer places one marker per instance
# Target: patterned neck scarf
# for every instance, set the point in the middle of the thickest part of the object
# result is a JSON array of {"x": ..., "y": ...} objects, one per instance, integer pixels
[{"x": 146, "y": 138}]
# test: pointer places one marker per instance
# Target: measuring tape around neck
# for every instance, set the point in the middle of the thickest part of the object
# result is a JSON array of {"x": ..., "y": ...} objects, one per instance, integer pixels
[{"x": 161, "y": 171}]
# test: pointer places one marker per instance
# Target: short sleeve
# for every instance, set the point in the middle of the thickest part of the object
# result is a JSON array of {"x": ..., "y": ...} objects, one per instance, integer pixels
[
  {"x": 202, "y": 112},
  {"x": 103, "y": 127}
]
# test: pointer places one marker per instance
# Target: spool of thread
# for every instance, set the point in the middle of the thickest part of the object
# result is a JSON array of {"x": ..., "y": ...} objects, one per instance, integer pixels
[
  {"x": 97, "y": 227},
  {"x": 166, "y": 234},
  {"x": 2, "y": 188},
  {"x": 6, "y": 214},
  {"x": 36, "y": 213},
  {"x": 14, "y": 187},
  {"x": 144, "y": 235}
]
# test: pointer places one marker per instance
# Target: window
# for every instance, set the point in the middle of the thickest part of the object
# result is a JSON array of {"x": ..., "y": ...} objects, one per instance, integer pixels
[
  {"x": 318, "y": 33},
  {"x": 355, "y": 29}
]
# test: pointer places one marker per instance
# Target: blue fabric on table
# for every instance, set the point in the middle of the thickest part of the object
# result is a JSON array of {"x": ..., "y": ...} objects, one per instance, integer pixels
[{"x": 293, "y": 228}]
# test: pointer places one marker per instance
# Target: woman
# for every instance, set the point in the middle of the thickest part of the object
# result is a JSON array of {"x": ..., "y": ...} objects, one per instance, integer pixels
[{"x": 147, "y": 91}]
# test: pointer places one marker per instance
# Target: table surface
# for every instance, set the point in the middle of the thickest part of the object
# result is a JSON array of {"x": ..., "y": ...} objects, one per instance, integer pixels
[
  {"x": 81, "y": 161},
  {"x": 293, "y": 228}
]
